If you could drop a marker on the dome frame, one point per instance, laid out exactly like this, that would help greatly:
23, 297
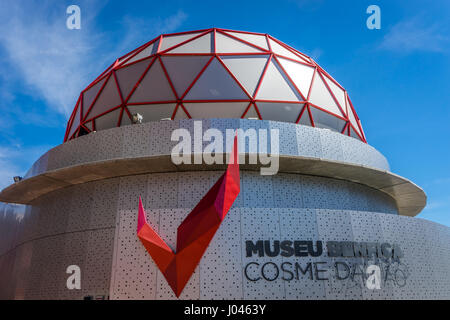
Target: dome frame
148, 79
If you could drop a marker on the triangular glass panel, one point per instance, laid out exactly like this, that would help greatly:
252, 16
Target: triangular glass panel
147, 52
216, 109
170, 41
183, 70
90, 94
203, 44
180, 114
259, 40
275, 85
75, 122
299, 73
353, 133
305, 119
246, 69
251, 113
285, 112
321, 97
215, 83
88, 125
352, 118
125, 57
108, 120
108, 99
325, 120
125, 118
338, 93
280, 50
128, 76
226, 44
153, 87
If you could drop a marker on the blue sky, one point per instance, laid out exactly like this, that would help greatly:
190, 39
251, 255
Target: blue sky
397, 77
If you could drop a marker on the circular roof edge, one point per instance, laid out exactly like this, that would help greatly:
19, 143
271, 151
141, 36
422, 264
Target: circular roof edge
410, 198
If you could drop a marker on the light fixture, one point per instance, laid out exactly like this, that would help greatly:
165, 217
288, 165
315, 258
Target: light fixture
17, 178
137, 118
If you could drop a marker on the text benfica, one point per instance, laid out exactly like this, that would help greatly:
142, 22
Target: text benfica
303, 248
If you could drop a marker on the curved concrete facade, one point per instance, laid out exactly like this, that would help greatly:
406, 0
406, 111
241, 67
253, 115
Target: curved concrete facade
153, 139
147, 148
92, 224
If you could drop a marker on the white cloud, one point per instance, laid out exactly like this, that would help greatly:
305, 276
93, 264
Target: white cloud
316, 53
49, 58
415, 35
44, 61
58, 63
141, 30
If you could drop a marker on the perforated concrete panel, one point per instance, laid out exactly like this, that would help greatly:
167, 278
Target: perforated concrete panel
300, 224
68, 227
93, 225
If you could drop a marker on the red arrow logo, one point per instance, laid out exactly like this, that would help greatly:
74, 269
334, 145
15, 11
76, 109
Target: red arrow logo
195, 232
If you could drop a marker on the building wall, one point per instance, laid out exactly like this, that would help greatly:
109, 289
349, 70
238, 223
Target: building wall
59, 230
94, 226
153, 138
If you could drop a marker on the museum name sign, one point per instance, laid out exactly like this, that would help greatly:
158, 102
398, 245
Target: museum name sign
345, 260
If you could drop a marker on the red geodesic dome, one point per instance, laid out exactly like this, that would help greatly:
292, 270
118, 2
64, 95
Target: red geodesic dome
214, 73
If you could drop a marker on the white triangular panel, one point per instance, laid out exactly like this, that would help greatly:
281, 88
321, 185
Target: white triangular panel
352, 118
215, 83
180, 114
353, 134
246, 69
108, 99
202, 44
154, 86
226, 44
286, 112
279, 49
128, 76
216, 109
339, 94
299, 73
148, 51
251, 113
183, 70
75, 122
153, 112
305, 57
276, 86
90, 94
325, 120
170, 41
255, 39
361, 129
108, 120
305, 119
320, 96
88, 125
125, 57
